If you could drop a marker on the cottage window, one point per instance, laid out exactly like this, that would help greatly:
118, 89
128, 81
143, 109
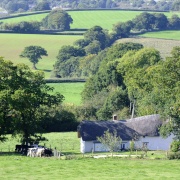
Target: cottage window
145, 144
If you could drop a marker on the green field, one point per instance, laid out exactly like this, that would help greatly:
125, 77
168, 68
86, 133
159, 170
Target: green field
88, 19
26, 168
64, 141
71, 91
11, 45
163, 34
79, 167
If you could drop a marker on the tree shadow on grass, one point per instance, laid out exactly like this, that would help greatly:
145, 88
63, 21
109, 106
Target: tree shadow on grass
45, 70
10, 154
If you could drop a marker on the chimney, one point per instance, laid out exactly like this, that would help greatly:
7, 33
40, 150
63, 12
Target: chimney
115, 117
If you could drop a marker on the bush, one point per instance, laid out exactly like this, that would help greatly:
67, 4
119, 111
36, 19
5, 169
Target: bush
175, 146
175, 155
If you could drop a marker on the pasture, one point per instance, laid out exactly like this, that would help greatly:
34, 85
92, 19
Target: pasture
88, 19
11, 45
64, 142
15, 166
163, 35
71, 91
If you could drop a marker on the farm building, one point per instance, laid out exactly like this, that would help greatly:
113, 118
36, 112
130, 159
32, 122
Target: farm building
143, 130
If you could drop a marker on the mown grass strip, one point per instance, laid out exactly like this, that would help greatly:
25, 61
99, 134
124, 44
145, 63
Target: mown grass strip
175, 35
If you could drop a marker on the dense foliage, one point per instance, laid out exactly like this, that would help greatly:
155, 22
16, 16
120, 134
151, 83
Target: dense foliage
23, 27
24, 5
58, 20
24, 96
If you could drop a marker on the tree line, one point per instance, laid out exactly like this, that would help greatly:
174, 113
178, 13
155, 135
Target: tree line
33, 5
55, 20
83, 58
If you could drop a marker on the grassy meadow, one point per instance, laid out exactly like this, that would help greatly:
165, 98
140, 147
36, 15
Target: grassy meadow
175, 35
71, 91
64, 142
26, 168
11, 45
78, 166
88, 19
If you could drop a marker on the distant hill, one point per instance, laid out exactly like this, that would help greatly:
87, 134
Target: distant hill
31, 5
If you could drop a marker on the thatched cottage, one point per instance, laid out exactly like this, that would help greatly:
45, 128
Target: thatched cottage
143, 130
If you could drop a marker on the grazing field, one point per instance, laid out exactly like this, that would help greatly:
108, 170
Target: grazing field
163, 45
11, 45
17, 167
63, 141
74, 166
163, 34
88, 19
71, 91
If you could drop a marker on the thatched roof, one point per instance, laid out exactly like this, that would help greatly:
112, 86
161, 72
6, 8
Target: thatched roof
90, 130
127, 130
145, 125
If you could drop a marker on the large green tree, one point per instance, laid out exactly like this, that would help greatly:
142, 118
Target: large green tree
97, 33
154, 85
33, 53
67, 63
24, 96
57, 20
6, 79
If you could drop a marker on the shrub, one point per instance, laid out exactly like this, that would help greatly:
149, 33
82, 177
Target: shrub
175, 146
175, 155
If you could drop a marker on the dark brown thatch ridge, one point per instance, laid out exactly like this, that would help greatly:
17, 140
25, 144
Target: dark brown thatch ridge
127, 130
146, 125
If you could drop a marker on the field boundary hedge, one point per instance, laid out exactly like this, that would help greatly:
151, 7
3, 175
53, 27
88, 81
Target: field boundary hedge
24, 14
79, 33
88, 9
65, 80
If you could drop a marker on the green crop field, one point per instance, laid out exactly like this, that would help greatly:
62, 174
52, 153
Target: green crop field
163, 34
11, 45
71, 91
78, 167
88, 19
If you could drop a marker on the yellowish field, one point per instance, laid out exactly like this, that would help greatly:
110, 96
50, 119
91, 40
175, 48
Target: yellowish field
163, 45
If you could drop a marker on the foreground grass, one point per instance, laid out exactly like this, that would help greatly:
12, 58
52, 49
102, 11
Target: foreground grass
14, 166
11, 45
71, 91
18, 167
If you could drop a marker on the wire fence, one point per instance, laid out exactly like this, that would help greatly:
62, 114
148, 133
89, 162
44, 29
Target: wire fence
60, 147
